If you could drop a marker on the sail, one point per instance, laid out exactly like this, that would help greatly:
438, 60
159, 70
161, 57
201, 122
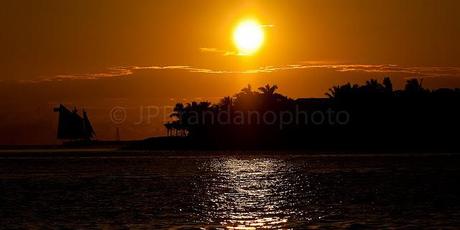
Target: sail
87, 127
72, 126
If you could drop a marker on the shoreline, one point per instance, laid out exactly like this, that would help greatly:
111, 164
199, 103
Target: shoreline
174, 146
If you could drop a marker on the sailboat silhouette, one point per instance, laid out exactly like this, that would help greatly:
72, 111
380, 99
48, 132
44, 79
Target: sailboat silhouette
72, 126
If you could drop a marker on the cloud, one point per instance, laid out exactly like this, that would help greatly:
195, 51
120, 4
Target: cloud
109, 73
221, 52
125, 71
419, 71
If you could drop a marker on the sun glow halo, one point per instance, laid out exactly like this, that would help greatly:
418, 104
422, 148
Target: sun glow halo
248, 37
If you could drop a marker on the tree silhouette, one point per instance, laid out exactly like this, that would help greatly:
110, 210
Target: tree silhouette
268, 90
388, 85
178, 110
226, 103
376, 110
247, 90
414, 86
343, 91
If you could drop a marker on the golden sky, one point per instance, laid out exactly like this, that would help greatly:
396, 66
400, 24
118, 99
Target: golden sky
88, 52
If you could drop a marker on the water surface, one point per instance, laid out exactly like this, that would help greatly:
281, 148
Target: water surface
228, 190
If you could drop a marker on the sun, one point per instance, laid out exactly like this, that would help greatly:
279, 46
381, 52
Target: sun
248, 37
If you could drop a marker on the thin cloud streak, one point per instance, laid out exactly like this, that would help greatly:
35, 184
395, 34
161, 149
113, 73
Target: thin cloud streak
110, 73
221, 52
383, 69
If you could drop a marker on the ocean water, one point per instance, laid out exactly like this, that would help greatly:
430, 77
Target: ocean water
204, 190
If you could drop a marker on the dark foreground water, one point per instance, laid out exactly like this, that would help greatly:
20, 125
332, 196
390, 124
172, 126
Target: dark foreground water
251, 191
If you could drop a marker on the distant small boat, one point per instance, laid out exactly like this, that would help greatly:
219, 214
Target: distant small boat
73, 127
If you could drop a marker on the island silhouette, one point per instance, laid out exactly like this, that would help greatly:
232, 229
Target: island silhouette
372, 116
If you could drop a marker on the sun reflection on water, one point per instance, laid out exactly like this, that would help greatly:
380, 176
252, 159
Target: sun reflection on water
248, 193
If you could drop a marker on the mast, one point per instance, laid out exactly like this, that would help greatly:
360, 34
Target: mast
117, 134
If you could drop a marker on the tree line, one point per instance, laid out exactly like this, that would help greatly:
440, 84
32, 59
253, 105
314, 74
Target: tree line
372, 114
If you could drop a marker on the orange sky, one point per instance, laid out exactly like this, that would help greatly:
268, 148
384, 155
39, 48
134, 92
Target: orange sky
100, 54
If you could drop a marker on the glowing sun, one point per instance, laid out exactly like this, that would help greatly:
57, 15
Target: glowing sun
248, 37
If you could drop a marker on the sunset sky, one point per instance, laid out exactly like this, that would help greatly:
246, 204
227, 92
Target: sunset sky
106, 53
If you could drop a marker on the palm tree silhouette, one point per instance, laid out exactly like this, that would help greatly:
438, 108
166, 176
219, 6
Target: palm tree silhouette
373, 86
247, 90
342, 91
414, 86
226, 103
178, 110
388, 85
268, 90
